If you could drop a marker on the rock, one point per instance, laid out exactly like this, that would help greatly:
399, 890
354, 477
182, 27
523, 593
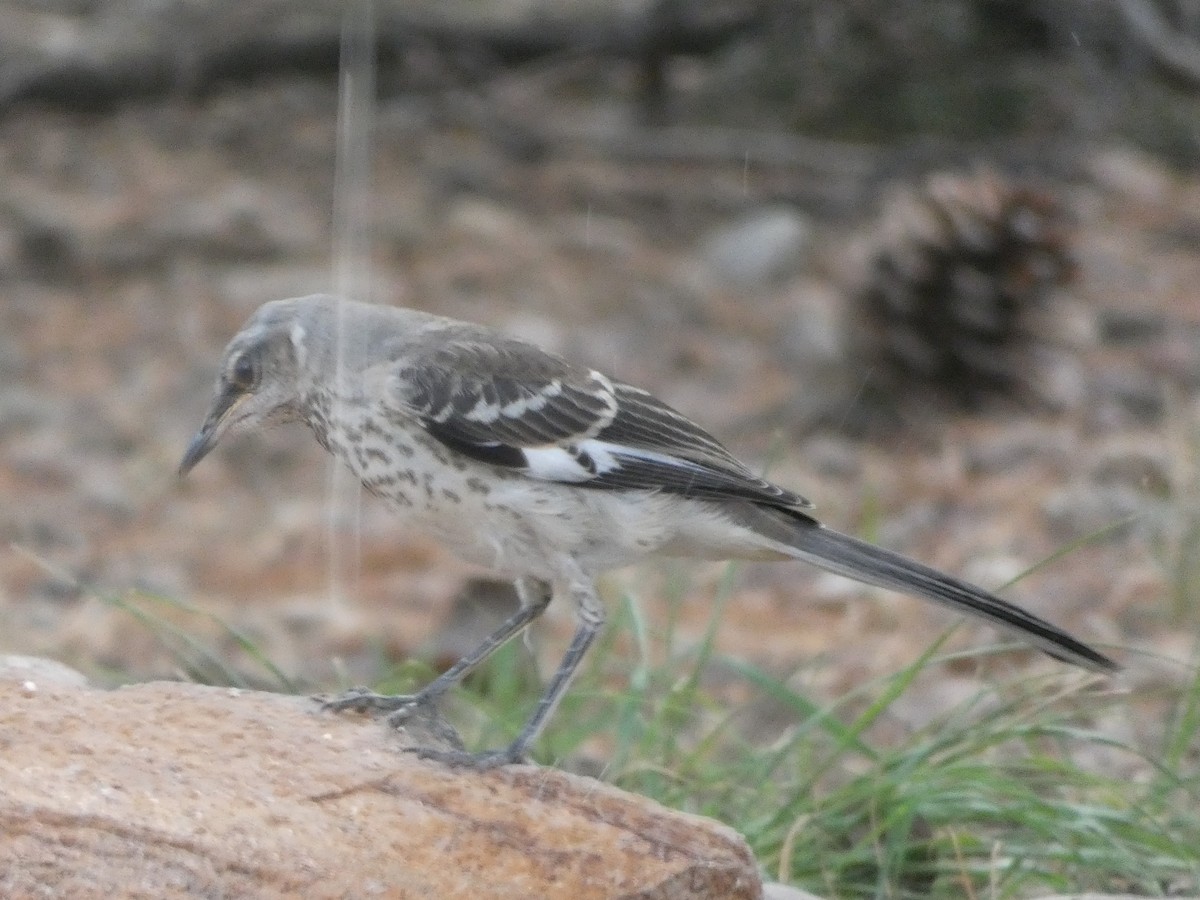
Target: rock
168, 790
33, 671
760, 248
815, 332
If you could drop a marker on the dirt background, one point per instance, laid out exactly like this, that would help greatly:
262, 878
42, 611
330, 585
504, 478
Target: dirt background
138, 232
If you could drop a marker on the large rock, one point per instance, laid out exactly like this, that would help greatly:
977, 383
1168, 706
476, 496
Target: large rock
167, 790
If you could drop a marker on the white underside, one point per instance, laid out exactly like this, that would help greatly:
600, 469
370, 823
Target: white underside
559, 532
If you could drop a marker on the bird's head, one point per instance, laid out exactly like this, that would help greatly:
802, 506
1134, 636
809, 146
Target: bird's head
263, 373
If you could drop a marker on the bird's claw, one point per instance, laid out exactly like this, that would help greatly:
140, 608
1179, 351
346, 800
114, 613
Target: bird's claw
359, 699
479, 762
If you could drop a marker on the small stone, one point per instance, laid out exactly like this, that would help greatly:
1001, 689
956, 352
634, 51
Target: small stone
814, 332
34, 672
763, 247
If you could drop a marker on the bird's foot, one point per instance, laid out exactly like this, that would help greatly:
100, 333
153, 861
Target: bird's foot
416, 714
485, 761
398, 707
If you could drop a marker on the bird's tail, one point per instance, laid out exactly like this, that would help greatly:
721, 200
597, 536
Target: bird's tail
805, 539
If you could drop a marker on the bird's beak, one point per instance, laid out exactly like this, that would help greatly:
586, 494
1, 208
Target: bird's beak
212, 429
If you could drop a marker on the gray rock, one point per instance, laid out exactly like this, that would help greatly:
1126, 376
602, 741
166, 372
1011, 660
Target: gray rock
34, 672
765, 246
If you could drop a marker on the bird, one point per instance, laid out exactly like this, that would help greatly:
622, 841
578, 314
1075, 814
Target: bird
539, 469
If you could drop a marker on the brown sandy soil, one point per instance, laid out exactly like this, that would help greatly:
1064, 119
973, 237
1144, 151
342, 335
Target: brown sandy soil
133, 244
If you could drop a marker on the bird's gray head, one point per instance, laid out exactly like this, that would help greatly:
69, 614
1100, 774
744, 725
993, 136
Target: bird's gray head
263, 372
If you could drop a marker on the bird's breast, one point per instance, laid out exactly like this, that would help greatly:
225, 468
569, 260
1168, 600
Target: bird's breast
506, 521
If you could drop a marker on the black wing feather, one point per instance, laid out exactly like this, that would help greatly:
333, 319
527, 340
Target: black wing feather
491, 399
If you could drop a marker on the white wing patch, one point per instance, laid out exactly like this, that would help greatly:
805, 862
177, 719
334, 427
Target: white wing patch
555, 464
609, 395
484, 411
599, 457
575, 463
590, 459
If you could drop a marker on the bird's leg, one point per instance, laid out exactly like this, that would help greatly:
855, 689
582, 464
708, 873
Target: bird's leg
591, 620
534, 595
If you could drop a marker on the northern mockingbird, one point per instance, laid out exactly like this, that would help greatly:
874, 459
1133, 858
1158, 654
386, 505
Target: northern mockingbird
526, 464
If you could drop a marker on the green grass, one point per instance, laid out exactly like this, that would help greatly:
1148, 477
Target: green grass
998, 796
993, 798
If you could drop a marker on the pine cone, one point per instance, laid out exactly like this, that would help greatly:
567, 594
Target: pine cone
961, 292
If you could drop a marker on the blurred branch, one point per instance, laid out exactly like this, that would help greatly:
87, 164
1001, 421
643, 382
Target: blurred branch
126, 55
1176, 53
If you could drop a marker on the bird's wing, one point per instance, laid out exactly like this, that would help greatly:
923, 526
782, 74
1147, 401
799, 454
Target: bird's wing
511, 404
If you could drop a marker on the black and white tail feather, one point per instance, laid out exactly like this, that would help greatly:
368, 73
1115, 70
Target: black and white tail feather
510, 404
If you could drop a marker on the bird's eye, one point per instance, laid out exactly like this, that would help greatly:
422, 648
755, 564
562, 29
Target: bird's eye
244, 374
